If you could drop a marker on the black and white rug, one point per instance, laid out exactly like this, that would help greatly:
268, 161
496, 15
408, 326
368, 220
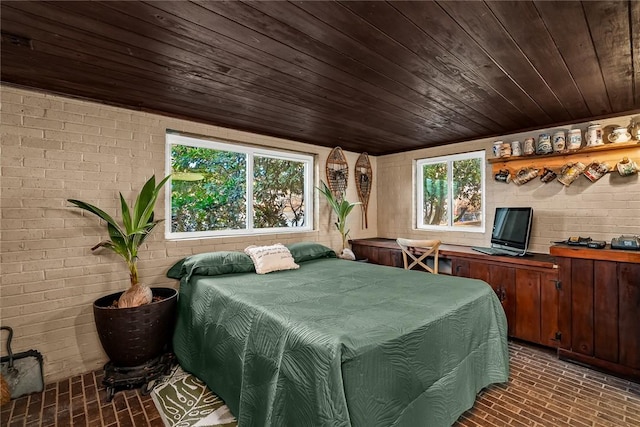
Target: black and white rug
185, 401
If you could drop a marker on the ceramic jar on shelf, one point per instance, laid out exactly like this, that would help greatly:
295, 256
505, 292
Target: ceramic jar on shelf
558, 142
593, 135
574, 139
544, 144
529, 146
619, 134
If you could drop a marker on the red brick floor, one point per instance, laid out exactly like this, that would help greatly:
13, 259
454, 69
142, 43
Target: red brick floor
81, 401
542, 391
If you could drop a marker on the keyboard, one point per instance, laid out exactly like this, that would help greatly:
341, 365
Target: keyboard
494, 251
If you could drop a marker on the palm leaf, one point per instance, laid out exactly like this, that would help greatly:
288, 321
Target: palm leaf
126, 215
96, 211
138, 223
142, 202
342, 209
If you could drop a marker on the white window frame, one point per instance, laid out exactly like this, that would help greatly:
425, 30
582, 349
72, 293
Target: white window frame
419, 191
251, 152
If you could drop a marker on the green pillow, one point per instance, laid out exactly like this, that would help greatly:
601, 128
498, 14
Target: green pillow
306, 251
174, 271
212, 264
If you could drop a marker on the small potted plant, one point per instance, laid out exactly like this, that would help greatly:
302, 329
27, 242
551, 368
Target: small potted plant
132, 326
342, 208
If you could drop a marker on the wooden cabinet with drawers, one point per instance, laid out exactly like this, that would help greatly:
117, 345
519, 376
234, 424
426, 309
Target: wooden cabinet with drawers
529, 294
600, 308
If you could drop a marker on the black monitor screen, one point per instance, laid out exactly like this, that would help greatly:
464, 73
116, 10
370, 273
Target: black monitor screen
512, 227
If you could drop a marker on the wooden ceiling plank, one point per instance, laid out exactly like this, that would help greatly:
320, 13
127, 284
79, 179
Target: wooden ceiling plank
353, 56
246, 124
355, 51
422, 123
456, 43
65, 47
401, 129
334, 65
87, 22
569, 29
480, 23
355, 75
250, 53
610, 30
540, 49
423, 58
91, 76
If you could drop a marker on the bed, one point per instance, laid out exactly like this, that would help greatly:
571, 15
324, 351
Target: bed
336, 342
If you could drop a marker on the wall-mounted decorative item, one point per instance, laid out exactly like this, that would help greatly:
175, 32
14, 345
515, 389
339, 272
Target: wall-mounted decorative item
626, 167
570, 172
503, 176
548, 175
337, 172
595, 171
565, 163
364, 180
525, 175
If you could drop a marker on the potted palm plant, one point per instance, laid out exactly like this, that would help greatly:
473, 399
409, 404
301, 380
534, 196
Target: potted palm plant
134, 326
342, 209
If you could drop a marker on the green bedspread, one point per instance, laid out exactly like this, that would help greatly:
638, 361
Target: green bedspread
342, 343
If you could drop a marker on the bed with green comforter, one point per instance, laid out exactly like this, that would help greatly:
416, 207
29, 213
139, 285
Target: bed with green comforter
336, 342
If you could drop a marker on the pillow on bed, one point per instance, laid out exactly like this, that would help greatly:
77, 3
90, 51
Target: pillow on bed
306, 251
212, 264
271, 258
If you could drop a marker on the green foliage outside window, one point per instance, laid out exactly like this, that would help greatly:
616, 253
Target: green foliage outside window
209, 190
467, 191
278, 189
216, 197
463, 188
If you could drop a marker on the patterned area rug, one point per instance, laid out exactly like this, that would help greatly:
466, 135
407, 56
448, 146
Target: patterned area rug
185, 401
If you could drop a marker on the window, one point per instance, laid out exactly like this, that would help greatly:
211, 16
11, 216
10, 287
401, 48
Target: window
222, 189
450, 192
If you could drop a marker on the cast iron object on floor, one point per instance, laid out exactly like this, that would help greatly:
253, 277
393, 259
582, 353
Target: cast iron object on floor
133, 336
130, 377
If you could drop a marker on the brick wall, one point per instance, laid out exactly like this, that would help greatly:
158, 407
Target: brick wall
602, 210
54, 148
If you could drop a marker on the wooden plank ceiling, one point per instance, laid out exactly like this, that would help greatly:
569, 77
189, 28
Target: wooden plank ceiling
380, 77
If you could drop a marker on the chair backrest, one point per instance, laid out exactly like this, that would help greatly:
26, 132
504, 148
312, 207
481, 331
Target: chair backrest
418, 251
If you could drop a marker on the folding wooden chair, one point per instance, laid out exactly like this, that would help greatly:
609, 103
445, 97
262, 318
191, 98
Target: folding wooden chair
426, 249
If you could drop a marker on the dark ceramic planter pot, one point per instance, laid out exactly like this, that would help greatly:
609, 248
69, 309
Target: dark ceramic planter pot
134, 336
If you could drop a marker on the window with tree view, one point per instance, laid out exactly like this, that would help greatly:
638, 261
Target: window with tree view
225, 189
450, 192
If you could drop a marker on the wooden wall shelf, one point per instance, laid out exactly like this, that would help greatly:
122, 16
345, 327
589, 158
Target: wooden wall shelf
608, 153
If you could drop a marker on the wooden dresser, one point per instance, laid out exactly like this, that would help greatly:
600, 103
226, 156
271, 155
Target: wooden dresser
600, 308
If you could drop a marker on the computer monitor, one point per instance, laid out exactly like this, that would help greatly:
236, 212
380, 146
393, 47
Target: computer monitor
512, 228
